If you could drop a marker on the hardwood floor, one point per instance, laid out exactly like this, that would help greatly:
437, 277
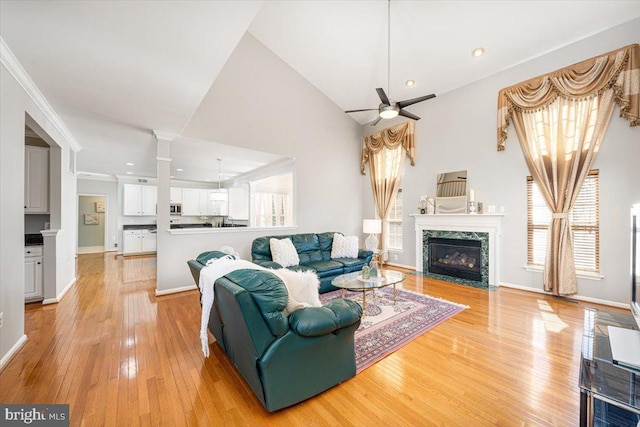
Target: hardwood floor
119, 355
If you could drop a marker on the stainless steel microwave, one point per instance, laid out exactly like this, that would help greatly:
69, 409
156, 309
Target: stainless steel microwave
175, 209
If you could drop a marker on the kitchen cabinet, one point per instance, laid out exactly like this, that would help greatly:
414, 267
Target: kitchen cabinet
36, 180
139, 200
33, 273
191, 202
176, 195
139, 242
204, 202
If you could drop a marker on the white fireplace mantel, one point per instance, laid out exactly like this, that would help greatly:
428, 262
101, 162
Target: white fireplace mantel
480, 223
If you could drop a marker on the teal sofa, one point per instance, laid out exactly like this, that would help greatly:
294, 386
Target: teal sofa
284, 359
314, 251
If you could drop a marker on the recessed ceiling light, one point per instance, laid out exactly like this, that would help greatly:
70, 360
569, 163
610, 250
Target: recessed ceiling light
129, 173
171, 176
179, 170
410, 82
479, 51
130, 164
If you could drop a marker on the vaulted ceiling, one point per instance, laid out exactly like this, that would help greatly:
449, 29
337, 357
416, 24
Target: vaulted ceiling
114, 71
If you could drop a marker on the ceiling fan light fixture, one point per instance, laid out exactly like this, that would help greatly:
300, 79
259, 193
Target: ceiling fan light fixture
388, 111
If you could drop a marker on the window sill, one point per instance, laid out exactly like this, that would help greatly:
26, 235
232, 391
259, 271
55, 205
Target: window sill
580, 274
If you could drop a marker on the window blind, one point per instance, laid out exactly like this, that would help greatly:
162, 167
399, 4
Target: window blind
584, 218
394, 224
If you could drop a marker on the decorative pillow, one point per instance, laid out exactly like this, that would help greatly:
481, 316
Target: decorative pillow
303, 288
283, 252
344, 247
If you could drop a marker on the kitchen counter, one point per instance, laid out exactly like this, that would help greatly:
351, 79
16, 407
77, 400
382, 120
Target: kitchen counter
182, 226
34, 239
139, 227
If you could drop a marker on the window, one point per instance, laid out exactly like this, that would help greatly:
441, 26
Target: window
271, 201
394, 224
584, 219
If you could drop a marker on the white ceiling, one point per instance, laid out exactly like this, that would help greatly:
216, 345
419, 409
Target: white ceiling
114, 71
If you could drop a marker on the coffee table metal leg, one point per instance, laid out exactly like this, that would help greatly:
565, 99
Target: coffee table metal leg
394, 293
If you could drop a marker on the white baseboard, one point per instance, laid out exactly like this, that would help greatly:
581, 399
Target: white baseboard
573, 297
90, 249
59, 297
12, 352
393, 264
175, 290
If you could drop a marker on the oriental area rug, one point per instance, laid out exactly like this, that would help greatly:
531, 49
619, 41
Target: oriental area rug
386, 327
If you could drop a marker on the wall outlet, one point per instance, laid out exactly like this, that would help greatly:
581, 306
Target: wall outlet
115, 245
395, 257
1, 319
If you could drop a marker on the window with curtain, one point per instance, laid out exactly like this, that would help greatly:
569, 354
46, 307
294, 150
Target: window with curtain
394, 224
271, 201
584, 219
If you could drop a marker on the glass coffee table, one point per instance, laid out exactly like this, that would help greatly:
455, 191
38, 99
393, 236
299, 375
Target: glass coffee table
355, 282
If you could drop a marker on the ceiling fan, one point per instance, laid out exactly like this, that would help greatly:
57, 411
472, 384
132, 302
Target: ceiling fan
388, 109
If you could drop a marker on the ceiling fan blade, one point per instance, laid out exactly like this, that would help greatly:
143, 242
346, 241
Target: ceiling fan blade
408, 114
357, 111
375, 122
408, 102
383, 96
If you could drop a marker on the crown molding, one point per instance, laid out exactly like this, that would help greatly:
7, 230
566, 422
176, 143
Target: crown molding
165, 136
11, 63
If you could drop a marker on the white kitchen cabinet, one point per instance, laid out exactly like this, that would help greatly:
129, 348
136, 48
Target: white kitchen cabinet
195, 202
139, 200
132, 242
36, 180
33, 273
139, 242
149, 241
191, 202
176, 195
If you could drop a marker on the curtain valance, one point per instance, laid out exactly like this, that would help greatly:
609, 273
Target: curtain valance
618, 70
390, 137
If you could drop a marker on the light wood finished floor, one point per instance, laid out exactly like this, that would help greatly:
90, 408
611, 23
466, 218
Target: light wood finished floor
121, 356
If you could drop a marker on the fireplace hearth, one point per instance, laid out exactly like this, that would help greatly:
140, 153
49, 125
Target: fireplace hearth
459, 258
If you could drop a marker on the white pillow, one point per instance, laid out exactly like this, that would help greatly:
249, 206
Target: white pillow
344, 247
303, 288
283, 252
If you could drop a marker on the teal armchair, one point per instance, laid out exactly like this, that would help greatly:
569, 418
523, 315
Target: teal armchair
284, 359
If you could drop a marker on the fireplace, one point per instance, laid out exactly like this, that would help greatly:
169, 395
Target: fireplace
484, 229
460, 258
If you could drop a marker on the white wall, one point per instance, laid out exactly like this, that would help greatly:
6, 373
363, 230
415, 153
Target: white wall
15, 103
259, 102
458, 131
109, 189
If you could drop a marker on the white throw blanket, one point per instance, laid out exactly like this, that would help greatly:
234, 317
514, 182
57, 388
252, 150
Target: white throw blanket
215, 269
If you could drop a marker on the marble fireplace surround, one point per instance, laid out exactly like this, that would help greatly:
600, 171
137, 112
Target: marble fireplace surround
490, 224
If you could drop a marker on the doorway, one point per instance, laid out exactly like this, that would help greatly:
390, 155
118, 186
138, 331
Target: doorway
92, 218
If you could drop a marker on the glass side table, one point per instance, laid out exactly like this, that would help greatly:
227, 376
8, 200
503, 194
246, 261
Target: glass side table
609, 394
